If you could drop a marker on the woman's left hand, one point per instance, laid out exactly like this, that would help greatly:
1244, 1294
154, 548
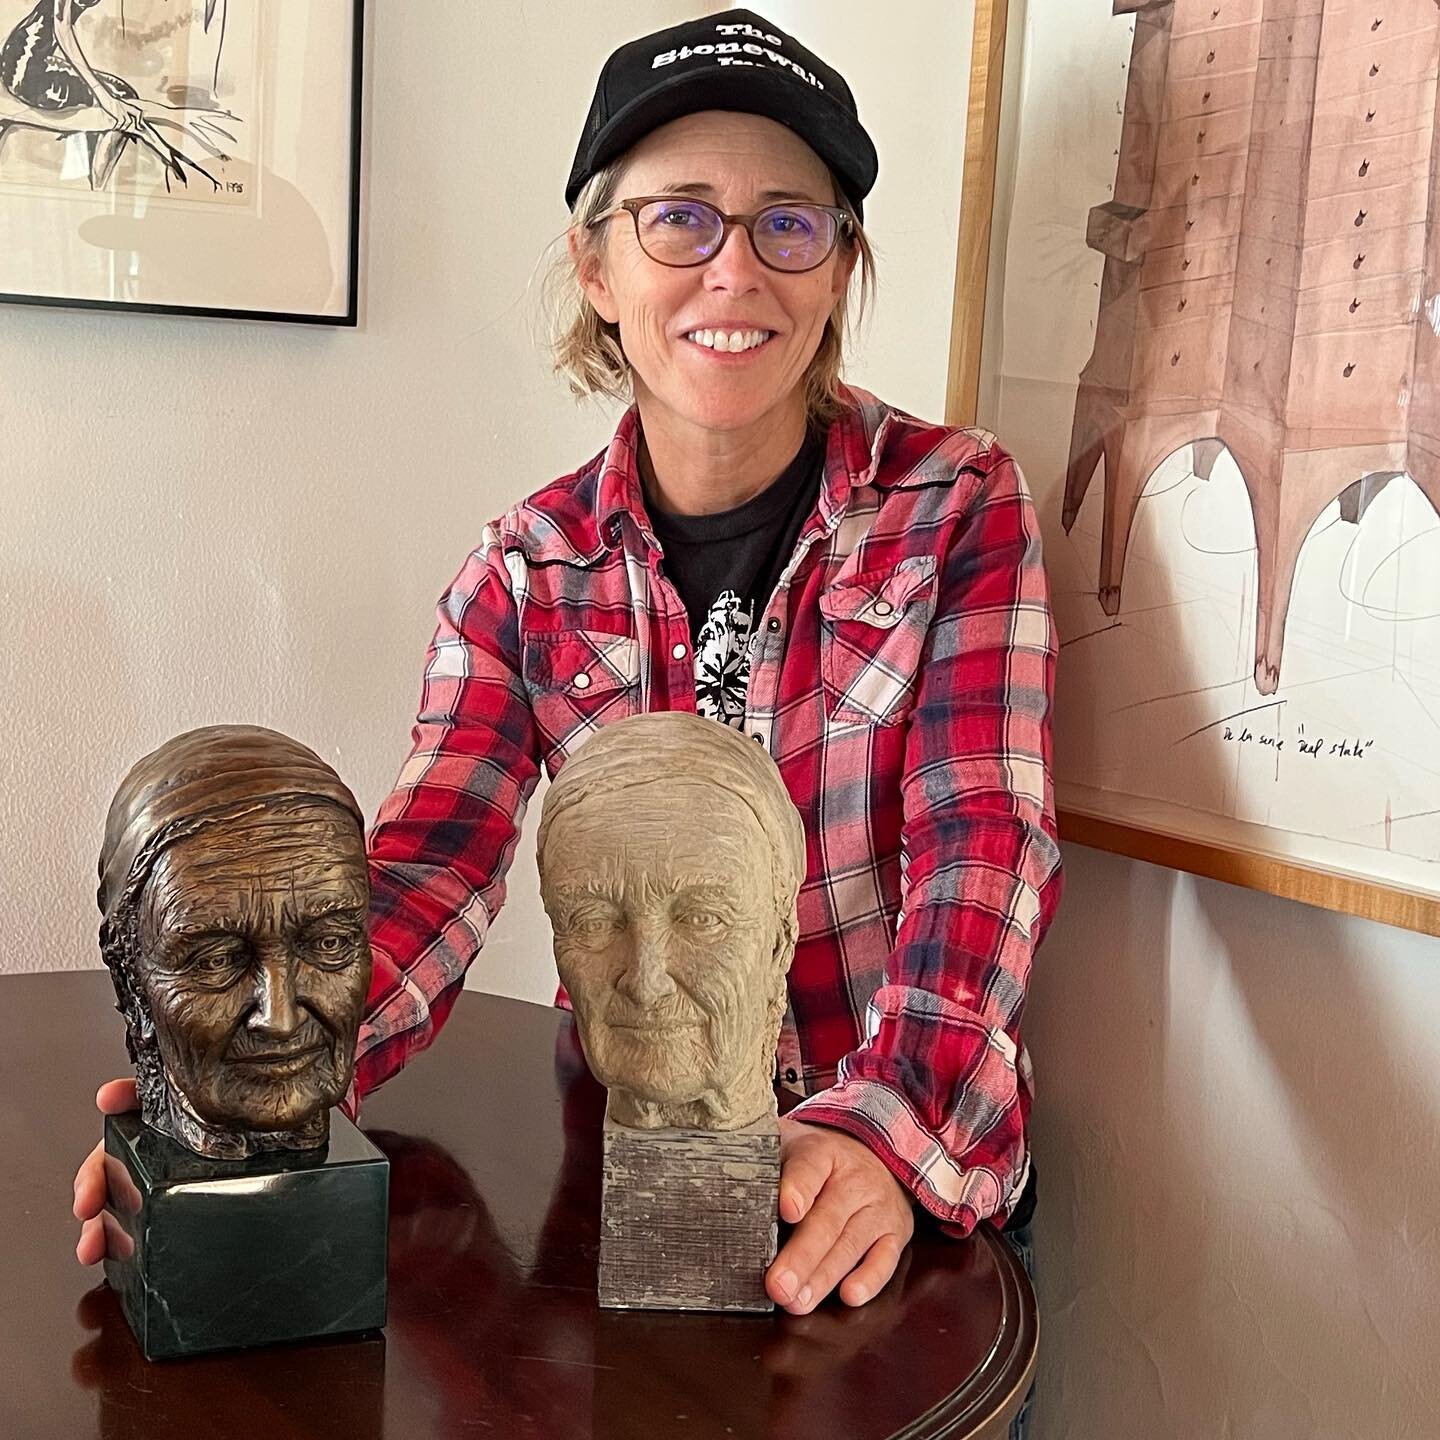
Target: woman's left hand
852, 1219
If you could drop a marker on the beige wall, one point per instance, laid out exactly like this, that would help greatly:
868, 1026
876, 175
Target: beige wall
1238, 1097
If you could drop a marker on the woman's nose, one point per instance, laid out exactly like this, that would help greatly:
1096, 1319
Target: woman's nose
734, 266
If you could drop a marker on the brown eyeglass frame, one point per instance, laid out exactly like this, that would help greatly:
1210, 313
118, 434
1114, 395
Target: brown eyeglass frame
845, 224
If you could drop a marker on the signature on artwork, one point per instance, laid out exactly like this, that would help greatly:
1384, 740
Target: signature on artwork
1345, 748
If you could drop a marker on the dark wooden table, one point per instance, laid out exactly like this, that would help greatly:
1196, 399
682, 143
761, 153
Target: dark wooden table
493, 1138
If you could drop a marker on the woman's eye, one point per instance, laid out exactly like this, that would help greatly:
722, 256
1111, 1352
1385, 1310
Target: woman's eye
787, 222
679, 217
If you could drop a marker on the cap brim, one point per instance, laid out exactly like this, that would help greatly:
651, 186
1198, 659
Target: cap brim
835, 135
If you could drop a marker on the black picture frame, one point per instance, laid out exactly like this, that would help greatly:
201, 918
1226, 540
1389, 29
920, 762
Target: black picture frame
347, 318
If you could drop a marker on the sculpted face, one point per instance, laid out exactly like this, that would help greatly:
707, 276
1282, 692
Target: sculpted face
254, 963
666, 938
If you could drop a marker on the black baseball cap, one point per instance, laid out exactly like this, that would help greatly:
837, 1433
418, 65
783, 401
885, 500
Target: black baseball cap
734, 61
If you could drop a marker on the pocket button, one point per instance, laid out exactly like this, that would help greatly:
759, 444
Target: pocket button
581, 681
883, 607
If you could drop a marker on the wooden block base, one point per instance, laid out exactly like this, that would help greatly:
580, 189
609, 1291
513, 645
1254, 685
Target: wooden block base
688, 1217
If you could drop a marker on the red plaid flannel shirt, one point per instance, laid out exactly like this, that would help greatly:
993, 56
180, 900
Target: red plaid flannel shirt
901, 678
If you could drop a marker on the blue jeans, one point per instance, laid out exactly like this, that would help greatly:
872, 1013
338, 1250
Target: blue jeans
1020, 1242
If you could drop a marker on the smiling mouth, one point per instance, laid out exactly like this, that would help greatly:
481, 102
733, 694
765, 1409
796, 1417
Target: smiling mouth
730, 342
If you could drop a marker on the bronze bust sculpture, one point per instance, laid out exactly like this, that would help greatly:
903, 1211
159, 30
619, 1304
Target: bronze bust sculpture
234, 895
670, 859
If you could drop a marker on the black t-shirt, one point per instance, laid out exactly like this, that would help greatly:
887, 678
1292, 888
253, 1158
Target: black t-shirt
725, 567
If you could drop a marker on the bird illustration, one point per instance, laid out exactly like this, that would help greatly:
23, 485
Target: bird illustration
44, 66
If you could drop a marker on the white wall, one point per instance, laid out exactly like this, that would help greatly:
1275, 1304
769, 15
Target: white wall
1238, 1103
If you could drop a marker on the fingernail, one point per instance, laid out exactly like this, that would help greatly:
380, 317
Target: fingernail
803, 1297
786, 1281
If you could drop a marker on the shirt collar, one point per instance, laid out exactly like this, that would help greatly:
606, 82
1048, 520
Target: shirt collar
619, 493
852, 455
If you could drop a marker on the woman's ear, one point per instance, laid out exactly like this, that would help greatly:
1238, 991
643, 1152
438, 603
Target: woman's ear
590, 272
848, 255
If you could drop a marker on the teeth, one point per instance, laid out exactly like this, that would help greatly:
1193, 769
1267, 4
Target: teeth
730, 341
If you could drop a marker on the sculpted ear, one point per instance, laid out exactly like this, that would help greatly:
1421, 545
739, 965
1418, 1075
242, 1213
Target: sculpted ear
785, 938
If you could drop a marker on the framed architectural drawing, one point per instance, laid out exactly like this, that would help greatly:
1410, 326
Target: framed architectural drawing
196, 157
1209, 328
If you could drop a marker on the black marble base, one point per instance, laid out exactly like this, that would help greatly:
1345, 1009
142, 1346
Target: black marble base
283, 1246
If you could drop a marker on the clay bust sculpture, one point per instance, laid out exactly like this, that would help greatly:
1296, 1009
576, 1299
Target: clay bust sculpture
670, 859
234, 893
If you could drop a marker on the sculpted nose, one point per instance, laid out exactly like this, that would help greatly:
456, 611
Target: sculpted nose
276, 1013
646, 980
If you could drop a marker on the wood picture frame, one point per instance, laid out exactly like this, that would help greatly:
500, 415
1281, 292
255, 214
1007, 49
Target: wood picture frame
1230, 859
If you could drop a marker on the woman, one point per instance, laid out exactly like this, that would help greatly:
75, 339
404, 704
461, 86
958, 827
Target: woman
860, 591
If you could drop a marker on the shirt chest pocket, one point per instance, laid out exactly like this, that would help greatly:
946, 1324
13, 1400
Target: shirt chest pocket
872, 633
579, 681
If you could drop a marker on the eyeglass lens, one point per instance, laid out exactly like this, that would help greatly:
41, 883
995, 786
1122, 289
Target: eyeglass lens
686, 232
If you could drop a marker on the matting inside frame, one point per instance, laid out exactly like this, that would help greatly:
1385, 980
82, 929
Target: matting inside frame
1230, 346
236, 194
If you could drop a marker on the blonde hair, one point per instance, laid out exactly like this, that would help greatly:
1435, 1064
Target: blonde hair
587, 349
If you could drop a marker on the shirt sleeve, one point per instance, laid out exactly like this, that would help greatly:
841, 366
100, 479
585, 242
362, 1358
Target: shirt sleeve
935, 1088
444, 838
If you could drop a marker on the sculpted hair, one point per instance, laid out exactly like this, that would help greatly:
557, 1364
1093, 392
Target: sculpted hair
587, 349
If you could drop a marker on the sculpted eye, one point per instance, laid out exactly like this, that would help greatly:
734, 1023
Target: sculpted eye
701, 920
212, 958
593, 926
333, 944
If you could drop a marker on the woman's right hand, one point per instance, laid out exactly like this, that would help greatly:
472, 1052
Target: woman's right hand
99, 1182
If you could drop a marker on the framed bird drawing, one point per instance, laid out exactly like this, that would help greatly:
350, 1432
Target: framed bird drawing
193, 157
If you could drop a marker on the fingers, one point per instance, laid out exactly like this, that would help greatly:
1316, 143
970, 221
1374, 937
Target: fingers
114, 1097
873, 1273
101, 1180
860, 1233
90, 1185
90, 1248
100, 1236
803, 1177
843, 1202
790, 1277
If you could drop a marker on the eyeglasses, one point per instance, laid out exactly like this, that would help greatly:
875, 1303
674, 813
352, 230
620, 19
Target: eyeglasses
679, 231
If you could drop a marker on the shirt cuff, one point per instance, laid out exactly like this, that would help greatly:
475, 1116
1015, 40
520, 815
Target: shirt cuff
957, 1195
